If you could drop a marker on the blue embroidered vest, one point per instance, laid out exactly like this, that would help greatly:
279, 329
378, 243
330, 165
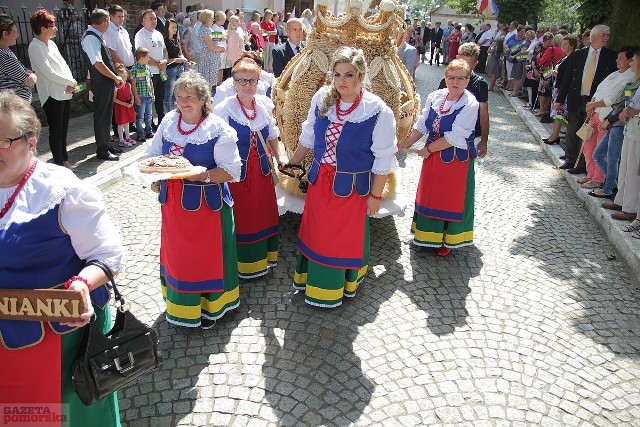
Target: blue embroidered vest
38, 255
243, 147
446, 124
354, 158
192, 191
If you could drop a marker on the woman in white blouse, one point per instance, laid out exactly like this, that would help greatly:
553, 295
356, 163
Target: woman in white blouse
198, 263
55, 82
255, 208
352, 133
51, 224
443, 216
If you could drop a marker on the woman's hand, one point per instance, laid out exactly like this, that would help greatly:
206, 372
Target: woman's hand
373, 206
603, 124
591, 106
282, 161
81, 288
405, 145
424, 152
31, 79
69, 89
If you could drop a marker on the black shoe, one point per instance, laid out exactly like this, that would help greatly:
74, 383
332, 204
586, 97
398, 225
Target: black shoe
551, 141
107, 156
207, 323
546, 119
141, 139
563, 157
566, 165
149, 135
577, 171
116, 150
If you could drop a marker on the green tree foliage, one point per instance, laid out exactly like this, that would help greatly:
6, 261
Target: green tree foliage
421, 8
560, 12
592, 12
623, 19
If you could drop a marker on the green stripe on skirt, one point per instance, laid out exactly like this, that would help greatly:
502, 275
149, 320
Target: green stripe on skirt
255, 258
105, 412
186, 309
326, 286
435, 233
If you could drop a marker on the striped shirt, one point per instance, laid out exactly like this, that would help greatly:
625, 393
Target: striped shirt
13, 74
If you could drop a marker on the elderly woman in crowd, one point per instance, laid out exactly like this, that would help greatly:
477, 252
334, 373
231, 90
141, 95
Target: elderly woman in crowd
443, 216
228, 87
55, 85
198, 263
352, 134
608, 92
608, 150
48, 210
13, 75
255, 207
569, 44
628, 197
211, 50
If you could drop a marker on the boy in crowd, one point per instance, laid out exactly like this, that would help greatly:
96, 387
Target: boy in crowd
143, 93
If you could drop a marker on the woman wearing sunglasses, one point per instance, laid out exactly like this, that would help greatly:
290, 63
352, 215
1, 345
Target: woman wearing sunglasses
255, 207
443, 215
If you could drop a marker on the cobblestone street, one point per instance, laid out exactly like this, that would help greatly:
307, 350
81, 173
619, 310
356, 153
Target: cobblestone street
538, 324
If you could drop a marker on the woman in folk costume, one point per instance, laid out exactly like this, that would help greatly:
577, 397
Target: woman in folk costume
255, 207
443, 215
51, 224
352, 134
198, 264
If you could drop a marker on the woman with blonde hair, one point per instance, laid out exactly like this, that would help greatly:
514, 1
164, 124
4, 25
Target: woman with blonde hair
212, 49
352, 134
443, 216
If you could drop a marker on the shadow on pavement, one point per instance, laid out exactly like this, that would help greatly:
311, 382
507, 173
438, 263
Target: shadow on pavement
592, 309
441, 285
312, 373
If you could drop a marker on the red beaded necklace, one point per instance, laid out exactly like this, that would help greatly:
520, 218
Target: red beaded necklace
441, 110
7, 205
340, 112
253, 107
189, 132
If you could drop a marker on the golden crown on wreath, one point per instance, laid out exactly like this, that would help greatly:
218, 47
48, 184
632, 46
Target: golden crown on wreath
374, 32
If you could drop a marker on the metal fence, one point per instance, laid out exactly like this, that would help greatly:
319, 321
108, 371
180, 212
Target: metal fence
71, 25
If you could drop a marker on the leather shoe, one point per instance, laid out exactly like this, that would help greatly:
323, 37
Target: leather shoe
612, 206
116, 150
566, 165
576, 171
624, 216
107, 156
563, 157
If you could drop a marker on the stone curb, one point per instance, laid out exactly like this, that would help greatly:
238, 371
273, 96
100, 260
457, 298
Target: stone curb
627, 246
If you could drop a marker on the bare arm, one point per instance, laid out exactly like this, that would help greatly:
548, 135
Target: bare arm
484, 127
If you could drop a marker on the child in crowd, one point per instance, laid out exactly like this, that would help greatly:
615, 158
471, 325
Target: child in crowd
143, 93
123, 108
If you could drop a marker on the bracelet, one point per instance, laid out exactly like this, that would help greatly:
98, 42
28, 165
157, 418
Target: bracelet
79, 279
428, 149
375, 197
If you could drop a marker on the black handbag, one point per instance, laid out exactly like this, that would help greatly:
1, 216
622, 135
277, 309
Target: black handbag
107, 362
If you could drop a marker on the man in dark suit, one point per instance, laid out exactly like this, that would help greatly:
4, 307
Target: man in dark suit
158, 8
436, 40
586, 69
424, 32
283, 53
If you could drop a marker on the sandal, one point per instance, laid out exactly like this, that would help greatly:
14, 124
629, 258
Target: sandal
583, 180
636, 234
591, 185
629, 228
541, 113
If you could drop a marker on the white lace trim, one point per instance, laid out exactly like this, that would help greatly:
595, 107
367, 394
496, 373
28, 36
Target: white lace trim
383, 171
46, 189
370, 105
208, 130
264, 106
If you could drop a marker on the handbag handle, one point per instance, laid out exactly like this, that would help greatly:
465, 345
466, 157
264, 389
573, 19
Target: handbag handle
107, 271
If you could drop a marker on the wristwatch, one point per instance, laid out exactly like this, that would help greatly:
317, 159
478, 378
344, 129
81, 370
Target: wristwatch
208, 178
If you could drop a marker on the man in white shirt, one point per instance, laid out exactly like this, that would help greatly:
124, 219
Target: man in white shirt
484, 41
535, 42
151, 39
513, 30
117, 38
